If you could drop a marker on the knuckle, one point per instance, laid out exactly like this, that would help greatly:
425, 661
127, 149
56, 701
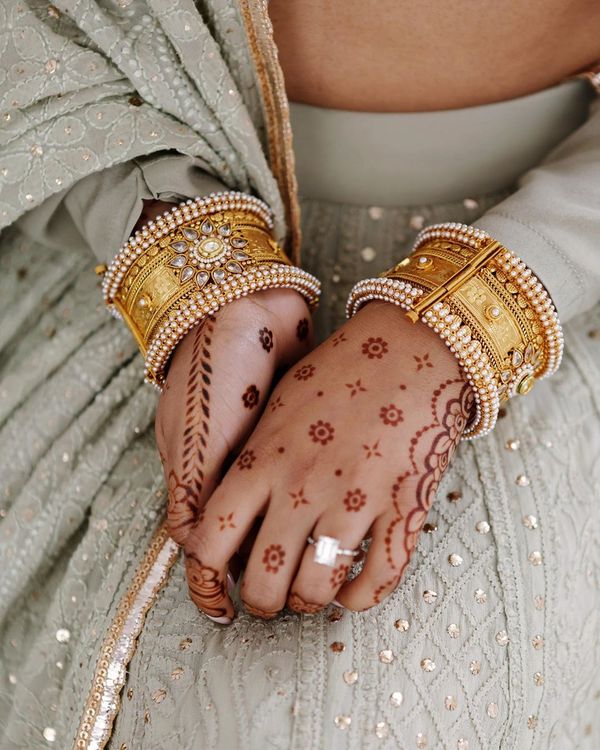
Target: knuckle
259, 595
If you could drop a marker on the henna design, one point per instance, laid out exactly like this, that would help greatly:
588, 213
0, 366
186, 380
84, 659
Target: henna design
338, 472
355, 500
273, 558
276, 403
299, 498
449, 427
281, 449
305, 372
197, 412
319, 393
302, 329
422, 361
246, 459
206, 588
339, 338
402, 387
181, 509
265, 336
355, 388
251, 397
297, 603
338, 575
265, 614
391, 415
321, 432
372, 450
226, 522
375, 348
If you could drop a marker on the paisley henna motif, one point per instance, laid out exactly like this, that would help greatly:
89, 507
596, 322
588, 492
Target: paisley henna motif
297, 603
207, 590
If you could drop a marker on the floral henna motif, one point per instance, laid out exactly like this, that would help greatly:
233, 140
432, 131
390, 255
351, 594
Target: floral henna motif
355, 500
246, 459
302, 329
355, 388
375, 348
339, 575
207, 590
391, 415
251, 396
265, 336
305, 372
299, 498
226, 522
181, 509
297, 603
372, 450
321, 432
273, 558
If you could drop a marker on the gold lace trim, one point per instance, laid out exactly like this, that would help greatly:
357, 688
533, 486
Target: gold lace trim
259, 31
120, 642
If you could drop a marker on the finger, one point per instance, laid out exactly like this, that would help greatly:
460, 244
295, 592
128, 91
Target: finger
316, 584
200, 425
394, 538
223, 523
275, 556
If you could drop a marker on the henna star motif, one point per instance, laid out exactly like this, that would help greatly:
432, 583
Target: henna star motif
226, 522
338, 339
372, 450
355, 388
299, 498
422, 361
276, 403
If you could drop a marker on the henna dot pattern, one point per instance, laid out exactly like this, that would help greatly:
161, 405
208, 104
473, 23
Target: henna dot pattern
338, 575
355, 500
375, 348
321, 432
250, 397
273, 558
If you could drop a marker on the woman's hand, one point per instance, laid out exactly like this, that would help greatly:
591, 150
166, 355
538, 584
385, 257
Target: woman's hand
353, 442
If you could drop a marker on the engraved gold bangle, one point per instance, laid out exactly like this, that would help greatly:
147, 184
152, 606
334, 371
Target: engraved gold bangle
190, 262
488, 307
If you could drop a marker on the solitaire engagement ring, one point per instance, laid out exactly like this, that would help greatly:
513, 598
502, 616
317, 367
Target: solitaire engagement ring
327, 548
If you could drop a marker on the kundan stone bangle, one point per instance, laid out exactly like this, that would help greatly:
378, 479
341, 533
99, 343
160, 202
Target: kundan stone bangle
489, 308
188, 263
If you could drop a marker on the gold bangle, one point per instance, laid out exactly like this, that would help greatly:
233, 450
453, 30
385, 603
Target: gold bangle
189, 263
490, 309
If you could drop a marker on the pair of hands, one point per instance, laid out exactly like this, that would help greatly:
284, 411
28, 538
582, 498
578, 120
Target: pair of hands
351, 443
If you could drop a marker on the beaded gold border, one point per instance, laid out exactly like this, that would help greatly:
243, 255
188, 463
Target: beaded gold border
104, 701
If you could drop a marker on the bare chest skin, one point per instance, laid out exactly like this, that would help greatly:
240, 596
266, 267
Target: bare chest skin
419, 55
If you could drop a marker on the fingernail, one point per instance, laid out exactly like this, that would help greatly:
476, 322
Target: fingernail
230, 583
337, 604
221, 620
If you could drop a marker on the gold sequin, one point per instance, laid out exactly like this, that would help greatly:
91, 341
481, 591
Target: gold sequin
455, 560
375, 212
462, 744
535, 557
185, 644
342, 721
537, 642
402, 625
492, 710
12, 678
386, 656
427, 665
337, 647
522, 480
450, 702
350, 677
538, 601
532, 721
475, 667
421, 740
512, 445
335, 615
453, 630
176, 673
502, 638
429, 596
530, 522
480, 596
49, 734
417, 221
159, 695
396, 698
63, 635
538, 679
381, 730
482, 527
454, 496
470, 204
429, 528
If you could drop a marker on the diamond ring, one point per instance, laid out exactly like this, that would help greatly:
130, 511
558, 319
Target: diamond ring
327, 548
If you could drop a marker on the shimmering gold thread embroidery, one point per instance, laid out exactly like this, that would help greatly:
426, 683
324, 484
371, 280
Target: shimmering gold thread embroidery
259, 31
103, 701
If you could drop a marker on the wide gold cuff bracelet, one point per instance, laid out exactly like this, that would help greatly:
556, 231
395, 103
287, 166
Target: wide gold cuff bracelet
489, 308
190, 262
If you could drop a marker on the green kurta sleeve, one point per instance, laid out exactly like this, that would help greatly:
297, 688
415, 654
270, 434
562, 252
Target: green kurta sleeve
101, 209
